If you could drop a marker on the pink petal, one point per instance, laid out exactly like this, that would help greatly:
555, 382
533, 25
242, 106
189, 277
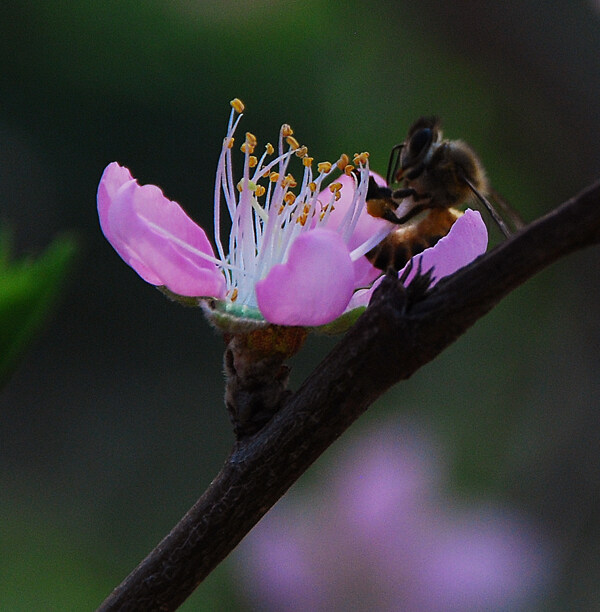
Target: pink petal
113, 178
155, 236
466, 241
315, 284
366, 227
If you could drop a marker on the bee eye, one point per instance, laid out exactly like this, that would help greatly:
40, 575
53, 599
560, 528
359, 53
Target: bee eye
420, 140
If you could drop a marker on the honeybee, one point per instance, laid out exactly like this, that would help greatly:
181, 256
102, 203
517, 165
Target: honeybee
438, 176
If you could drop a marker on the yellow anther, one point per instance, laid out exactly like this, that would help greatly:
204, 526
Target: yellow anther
302, 219
292, 142
286, 130
301, 151
335, 187
306, 209
260, 191
361, 158
237, 105
229, 142
324, 167
338, 195
270, 149
252, 161
289, 198
289, 181
274, 177
240, 185
348, 169
312, 186
247, 148
251, 139
342, 162
234, 295
281, 209
307, 161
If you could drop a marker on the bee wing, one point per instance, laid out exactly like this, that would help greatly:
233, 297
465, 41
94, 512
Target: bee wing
508, 212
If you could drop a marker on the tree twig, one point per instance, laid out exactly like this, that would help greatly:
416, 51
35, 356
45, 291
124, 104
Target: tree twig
401, 331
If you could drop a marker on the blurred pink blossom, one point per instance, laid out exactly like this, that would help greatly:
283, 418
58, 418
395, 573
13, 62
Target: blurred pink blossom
381, 534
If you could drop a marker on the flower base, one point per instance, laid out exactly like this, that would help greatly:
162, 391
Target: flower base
256, 383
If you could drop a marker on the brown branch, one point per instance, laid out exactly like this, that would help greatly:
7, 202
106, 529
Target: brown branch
400, 331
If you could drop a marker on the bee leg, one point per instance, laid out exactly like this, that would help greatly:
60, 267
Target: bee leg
375, 192
405, 193
390, 215
415, 210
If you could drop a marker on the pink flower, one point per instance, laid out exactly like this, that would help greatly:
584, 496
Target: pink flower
383, 533
291, 257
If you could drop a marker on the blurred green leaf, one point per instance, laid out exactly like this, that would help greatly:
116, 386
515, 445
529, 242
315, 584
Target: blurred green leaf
28, 290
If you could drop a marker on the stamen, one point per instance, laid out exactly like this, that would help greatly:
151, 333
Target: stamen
292, 142
187, 247
237, 105
289, 181
369, 244
262, 233
342, 162
260, 211
251, 139
360, 159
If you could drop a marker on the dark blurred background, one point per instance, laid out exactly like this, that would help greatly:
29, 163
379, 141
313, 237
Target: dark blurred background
114, 424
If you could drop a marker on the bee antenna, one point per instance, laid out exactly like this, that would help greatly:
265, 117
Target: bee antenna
394, 163
488, 205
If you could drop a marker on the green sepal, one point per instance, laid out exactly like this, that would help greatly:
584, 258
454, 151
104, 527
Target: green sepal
342, 324
232, 318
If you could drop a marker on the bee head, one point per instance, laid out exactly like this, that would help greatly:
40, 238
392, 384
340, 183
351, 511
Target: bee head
417, 148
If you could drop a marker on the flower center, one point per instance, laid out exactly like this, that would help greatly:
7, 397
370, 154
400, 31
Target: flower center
268, 208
